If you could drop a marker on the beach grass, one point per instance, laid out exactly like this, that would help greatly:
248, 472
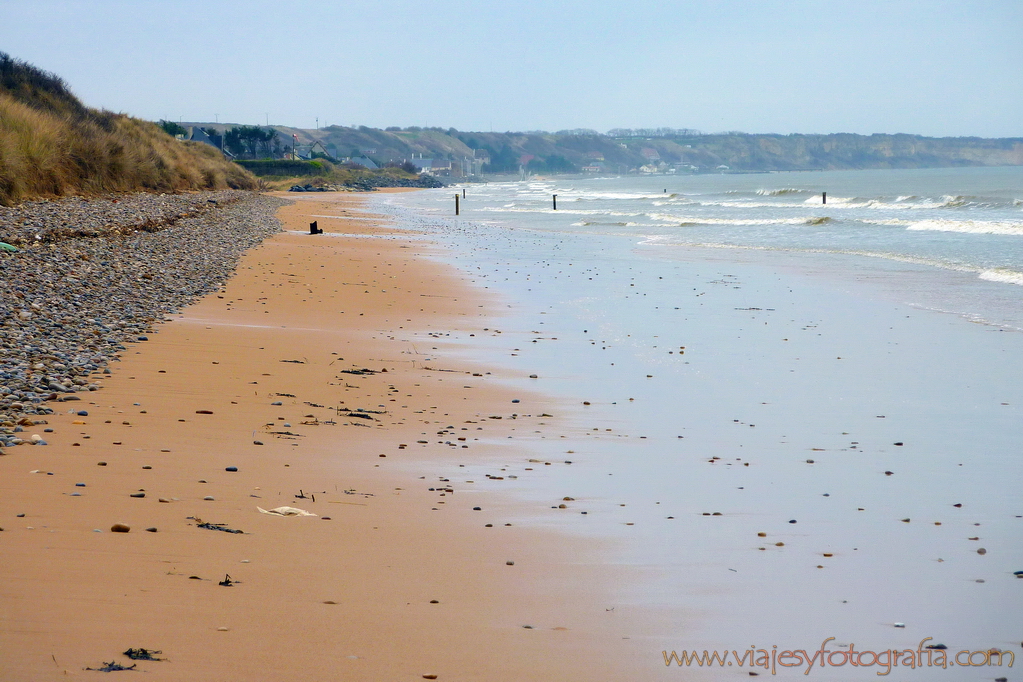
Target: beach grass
52, 145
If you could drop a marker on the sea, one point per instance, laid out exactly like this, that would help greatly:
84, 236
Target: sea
791, 401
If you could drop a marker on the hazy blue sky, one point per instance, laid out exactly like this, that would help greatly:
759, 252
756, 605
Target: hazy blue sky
864, 66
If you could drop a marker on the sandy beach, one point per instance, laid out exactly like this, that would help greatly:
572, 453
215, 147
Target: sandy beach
304, 383
526, 456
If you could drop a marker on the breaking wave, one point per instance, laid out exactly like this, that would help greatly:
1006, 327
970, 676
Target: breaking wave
1003, 275
782, 192
970, 226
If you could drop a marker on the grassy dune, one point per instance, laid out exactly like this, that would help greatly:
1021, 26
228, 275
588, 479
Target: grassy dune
52, 145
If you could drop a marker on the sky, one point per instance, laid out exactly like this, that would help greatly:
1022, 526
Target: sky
929, 67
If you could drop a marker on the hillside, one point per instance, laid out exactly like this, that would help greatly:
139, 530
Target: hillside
52, 145
622, 151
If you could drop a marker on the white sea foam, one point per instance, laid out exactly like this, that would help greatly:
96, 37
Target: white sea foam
1003, 275
970, 226
699, 220
783, 191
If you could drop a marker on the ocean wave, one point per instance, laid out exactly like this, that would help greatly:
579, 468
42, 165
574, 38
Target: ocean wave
783, 191
1003, 275
694, 220
560, 211
970, 226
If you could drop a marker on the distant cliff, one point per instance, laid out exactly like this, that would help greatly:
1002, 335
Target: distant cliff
622, 151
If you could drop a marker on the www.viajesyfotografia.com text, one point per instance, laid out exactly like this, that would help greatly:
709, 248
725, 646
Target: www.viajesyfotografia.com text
930, 656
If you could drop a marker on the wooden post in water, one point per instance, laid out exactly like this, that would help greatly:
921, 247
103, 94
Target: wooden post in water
555, 202
463, 192
824, 197
456, 204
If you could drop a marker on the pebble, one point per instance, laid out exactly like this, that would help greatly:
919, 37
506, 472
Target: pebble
138, 494
120, 528
99, 276
151, 529
208, 498
231, 469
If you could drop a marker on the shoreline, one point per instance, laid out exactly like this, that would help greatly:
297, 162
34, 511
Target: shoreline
805, 394
347, 596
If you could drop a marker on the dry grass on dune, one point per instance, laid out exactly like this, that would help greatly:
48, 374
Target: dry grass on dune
51, 145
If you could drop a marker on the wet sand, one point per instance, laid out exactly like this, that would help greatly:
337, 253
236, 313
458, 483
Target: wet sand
349, 593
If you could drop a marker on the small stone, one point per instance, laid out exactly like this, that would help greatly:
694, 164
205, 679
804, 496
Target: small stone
231, 469
429, 677
151, 529
257, 442
981, 551
120, 528
792, 521
79, 485
101, 464
278, 402
146, 466
509, 563
208, 498
222, 629
138, 495
164, 500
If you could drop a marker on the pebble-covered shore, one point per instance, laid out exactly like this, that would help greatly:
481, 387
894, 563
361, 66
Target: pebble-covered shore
93, 275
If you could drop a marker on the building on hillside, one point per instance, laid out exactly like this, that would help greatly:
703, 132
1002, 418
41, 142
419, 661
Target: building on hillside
650, 154
595, 156
593, 168
363, 161
196, 134
421, 164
